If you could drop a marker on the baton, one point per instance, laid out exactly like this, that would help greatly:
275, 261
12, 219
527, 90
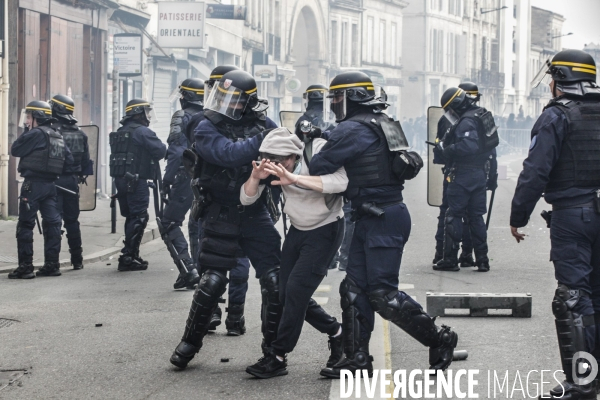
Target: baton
37, 221
489, 213
67, 190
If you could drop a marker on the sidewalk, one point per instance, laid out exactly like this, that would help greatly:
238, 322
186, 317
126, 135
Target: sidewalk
98, 242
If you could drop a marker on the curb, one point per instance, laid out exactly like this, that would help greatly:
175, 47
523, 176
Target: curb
150, 233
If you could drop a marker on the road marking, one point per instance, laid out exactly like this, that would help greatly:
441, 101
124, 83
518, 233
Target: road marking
324, 288
406, 286
321, 300
381, 350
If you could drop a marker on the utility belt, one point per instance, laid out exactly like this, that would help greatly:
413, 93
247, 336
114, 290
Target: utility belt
371, 208
595, 204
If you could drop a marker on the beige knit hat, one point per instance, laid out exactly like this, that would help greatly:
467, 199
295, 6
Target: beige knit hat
281, 142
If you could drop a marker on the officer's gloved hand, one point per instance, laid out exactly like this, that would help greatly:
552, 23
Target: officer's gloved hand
82, 180
166, 190
315, 132
492, 182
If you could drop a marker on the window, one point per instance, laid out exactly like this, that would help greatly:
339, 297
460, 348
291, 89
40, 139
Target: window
344, 44
370, 37
355, 45
393, 44
474, 52
451, 9
483, 53
437, 50
334, 41
381, 43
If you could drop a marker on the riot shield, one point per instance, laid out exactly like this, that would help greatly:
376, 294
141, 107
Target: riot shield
87, 191
435, 176
289, 118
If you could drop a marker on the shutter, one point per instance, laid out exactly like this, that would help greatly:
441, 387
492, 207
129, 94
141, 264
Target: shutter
163, 108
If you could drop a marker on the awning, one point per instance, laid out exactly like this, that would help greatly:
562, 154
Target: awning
131, 16
166, 65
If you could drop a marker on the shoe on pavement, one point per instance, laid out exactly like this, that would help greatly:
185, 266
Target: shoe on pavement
23, 271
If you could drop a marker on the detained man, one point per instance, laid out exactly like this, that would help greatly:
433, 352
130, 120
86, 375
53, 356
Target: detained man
314, 206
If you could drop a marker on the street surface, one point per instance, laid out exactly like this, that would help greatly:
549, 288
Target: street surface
65, 355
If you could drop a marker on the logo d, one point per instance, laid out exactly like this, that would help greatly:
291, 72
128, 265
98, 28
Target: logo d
584, 362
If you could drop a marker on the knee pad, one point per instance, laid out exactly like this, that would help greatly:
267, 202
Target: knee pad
349, 290
24, 228
213, 283
449, 227
269, 283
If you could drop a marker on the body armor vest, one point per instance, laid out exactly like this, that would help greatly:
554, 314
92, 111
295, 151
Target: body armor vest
487, 137
50, 159
192, 124
372, 168
126, 156
229, 180
179, 123
579, 161
76, 142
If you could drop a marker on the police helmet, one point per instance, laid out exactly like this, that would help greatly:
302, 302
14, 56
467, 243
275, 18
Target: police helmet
40, 111
566, 68
192, 91
215, 75
454, 99
139, 106
351, 86
62, 107
234, 93
315, 92
471, 90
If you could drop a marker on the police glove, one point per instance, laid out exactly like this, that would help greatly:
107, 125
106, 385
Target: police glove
164, 193
492, 182
315, 133
82, 180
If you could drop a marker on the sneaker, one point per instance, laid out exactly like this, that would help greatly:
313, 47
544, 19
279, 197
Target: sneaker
215, 320
446, 265
268, 367
49, 269
128, 263
466, 260
23, 271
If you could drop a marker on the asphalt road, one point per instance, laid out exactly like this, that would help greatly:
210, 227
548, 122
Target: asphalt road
66, 356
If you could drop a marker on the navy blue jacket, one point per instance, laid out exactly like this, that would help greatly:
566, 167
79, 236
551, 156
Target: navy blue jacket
348, 141
35, 139
175, 151
548, 134
146, 138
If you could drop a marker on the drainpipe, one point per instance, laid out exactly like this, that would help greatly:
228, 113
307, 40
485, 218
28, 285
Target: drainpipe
4, 86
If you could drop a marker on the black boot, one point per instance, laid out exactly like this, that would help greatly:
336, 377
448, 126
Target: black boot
235, 322
268, 367
447, 264
483, 266
129, 263
215, 319
360, 359
76, 258
440, 357
466, 260
569, 391
23, 271
336, 348
205, 301
437, 257
51, 268
188, 279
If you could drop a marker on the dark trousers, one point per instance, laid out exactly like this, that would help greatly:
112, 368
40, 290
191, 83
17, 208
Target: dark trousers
134, 207
305, 258
180, 201
575, 252
68, 206
467, 199
467, 244
375, 257
40, 196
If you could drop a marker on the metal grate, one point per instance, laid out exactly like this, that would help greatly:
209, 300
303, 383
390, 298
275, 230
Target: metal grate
5, 323
7, 259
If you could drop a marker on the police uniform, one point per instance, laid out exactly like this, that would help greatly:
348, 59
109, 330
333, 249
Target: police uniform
77, 142
43, 158
135, 153
562, 164
359, 145
227, 141
466, 153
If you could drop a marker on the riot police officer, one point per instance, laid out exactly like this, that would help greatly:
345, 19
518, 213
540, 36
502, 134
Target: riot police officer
467, 148
376, 178
562, 165
77, 142
43, 158
313, 103
235, 322
444, 126
135, 153
227, 141
176, 185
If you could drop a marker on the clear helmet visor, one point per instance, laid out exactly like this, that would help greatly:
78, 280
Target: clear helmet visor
335, 103
150, 114
380, 94
208, 86
229, 101
543, 75
23, 119
452, 116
